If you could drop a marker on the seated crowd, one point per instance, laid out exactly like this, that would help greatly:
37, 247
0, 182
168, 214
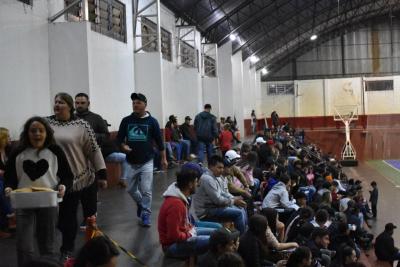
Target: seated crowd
275, 202
186, 141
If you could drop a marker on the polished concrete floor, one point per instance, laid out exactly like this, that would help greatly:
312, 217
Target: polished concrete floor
117, 218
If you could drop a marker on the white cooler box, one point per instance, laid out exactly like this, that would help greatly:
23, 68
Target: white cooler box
32, 200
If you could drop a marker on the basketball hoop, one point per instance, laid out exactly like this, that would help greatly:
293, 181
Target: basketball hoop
347, 114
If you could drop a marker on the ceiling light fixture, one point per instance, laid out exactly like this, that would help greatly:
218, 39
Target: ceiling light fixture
232, 37
264, 71
313, 37
254, 59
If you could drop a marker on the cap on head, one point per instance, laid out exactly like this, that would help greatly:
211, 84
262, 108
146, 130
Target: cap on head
390, 227
187, 118
139, 96
231, 157
193, 166
172, 118
260, 140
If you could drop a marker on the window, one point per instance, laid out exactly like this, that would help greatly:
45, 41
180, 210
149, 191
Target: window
209, 66
75, 13
149, 43
280, 89
106, 16
380, 85
28, 2
189, 55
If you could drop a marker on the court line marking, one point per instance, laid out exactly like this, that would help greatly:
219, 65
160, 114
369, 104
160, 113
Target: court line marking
390, 180
394, 168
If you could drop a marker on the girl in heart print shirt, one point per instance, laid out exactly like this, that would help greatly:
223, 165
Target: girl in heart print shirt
38, 162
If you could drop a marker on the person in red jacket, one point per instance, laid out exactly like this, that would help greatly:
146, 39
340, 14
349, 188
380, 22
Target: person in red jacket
225, 139
178, 236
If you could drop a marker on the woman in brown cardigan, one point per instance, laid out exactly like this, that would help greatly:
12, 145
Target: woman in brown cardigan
77, 139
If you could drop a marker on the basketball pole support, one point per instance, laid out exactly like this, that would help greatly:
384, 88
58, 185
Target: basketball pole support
348, 155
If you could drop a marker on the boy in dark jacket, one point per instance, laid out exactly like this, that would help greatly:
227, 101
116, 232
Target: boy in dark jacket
374, 198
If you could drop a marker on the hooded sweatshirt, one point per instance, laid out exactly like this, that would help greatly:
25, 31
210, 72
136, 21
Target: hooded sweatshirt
173, 219
278, 197
211, 193
205, 125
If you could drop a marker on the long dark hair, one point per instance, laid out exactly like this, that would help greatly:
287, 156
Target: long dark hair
271, 215
24, 137
97, 251
298, 256
258, 225
343, 252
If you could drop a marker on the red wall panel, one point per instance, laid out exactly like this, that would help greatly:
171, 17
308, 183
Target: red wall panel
373, 136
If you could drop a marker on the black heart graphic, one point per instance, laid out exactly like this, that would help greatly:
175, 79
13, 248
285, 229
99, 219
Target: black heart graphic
35, 170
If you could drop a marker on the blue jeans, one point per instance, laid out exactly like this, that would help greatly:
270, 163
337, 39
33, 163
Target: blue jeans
235, 214
174, 146
140, 184
192, 246
204, 224
309, 191
205, 146
119, 157
185, 147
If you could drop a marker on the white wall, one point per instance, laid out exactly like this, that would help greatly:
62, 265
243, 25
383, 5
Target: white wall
383, 102
211, 94
82, 60
320, 97
68, 57
24, 67
48, 58
180, 90
237, 89
225, 79
184, 93
258, 96
249, 89
149, 81
39, 59
282, 104
305, 92
111, 73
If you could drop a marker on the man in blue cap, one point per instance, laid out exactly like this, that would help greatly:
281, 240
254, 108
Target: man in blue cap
136, 136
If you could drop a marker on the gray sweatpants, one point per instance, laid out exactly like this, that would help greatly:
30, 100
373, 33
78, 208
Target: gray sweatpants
39, 223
